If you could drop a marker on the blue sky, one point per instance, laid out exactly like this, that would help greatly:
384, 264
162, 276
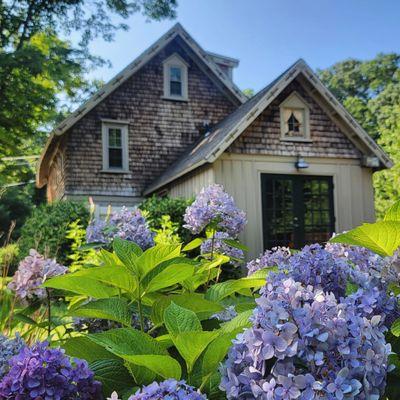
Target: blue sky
268, 35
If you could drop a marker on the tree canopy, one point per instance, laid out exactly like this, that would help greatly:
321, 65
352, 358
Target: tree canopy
370, 90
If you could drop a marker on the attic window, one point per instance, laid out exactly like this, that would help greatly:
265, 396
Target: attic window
175, 78
295, 119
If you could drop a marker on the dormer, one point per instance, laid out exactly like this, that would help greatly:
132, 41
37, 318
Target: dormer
175, 78
226, 64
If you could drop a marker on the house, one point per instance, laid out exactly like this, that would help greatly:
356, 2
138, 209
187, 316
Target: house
173, 122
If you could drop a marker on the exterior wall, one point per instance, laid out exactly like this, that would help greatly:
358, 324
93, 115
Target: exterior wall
263, 136
241, 177
191, 185
56, 183
159, 130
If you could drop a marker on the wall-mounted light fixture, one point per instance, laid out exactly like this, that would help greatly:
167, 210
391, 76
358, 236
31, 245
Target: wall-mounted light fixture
301, 163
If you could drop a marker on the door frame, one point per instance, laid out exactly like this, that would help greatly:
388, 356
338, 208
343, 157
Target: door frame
299, 177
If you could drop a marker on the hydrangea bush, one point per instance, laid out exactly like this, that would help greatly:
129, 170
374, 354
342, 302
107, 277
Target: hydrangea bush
304, 344
32, 272
9, 347
125, 224
170, 389
215, 207
40, 372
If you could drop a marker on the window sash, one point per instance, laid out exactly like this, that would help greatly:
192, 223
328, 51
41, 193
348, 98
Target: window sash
115, 147
175, 81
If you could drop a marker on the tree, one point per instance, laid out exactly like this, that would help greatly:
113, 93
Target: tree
39, 67
370, 90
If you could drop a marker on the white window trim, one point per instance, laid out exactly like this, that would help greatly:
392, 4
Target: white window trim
295, 101
175, 60
105, 126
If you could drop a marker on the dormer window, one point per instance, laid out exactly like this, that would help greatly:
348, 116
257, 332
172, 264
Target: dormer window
115, 146
295, 119
175, 78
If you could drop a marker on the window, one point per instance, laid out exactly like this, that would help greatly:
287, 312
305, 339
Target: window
295, 116
115, 146
175, 78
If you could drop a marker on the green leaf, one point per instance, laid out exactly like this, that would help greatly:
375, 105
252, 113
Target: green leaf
165, 366
194, 244
127, 341
169, 276
393, 213
141, 375
114, 309
155, 256
236, 244
382, 237
191, 344
351, 288
241, 321
128, 252
178, 319
82, 285
112, 374
395, 329
82, 347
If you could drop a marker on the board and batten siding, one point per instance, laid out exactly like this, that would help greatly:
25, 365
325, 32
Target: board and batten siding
241, 177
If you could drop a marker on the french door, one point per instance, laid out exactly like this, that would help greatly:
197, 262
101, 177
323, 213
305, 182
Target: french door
297, 210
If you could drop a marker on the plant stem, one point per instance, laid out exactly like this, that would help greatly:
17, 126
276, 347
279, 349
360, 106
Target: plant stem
140, 314
211, 256
48, 312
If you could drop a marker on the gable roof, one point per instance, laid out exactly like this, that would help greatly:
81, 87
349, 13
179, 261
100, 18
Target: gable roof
121, 77
215, 142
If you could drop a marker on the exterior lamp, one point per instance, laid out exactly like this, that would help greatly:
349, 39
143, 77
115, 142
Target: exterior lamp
301, 163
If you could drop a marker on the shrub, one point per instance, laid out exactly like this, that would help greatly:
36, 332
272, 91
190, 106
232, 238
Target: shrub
157, 207
46, 229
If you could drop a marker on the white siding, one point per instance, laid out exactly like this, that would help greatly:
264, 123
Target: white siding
190, 186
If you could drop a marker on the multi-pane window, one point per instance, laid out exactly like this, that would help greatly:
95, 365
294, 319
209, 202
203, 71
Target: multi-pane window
175, 81
293, 124
175, 78
115, 146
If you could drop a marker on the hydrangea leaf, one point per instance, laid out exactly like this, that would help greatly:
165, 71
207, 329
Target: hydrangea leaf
114, 309
165, 366
112, 374
127, 341
191, 344
82, 285
178, 319
82, 347
393, 213
382, 237
194, 244
156, 255
395, 329
239, 322
127, 252
236, 244
140, 374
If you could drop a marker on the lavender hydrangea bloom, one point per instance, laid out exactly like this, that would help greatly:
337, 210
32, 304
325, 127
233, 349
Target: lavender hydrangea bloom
304, 344
277, 257
213, 206
9, 348
32, 272
220, 247
169, 389
40, 372
125, 224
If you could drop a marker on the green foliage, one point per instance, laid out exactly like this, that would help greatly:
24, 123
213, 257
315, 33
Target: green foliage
46, 229
8, 256
165, 285
157, 208
167, 232
370, 90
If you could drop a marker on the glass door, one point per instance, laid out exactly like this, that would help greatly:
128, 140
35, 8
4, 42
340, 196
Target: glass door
297, 210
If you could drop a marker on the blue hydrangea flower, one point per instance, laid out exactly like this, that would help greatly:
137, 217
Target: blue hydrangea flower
41, 372
168, 390
277, 257
125, 224
8, 348
213, 206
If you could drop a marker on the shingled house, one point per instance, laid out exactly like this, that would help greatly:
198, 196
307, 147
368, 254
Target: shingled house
173, 122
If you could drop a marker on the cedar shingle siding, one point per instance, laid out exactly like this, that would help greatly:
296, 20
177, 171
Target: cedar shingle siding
159, 130
263, 136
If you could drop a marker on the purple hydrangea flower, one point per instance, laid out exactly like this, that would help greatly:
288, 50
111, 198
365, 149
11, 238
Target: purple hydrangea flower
169, 389
220, 247
41, 372
213, 206
9, 348
306, 344
32, 272
277, 257
125, 224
